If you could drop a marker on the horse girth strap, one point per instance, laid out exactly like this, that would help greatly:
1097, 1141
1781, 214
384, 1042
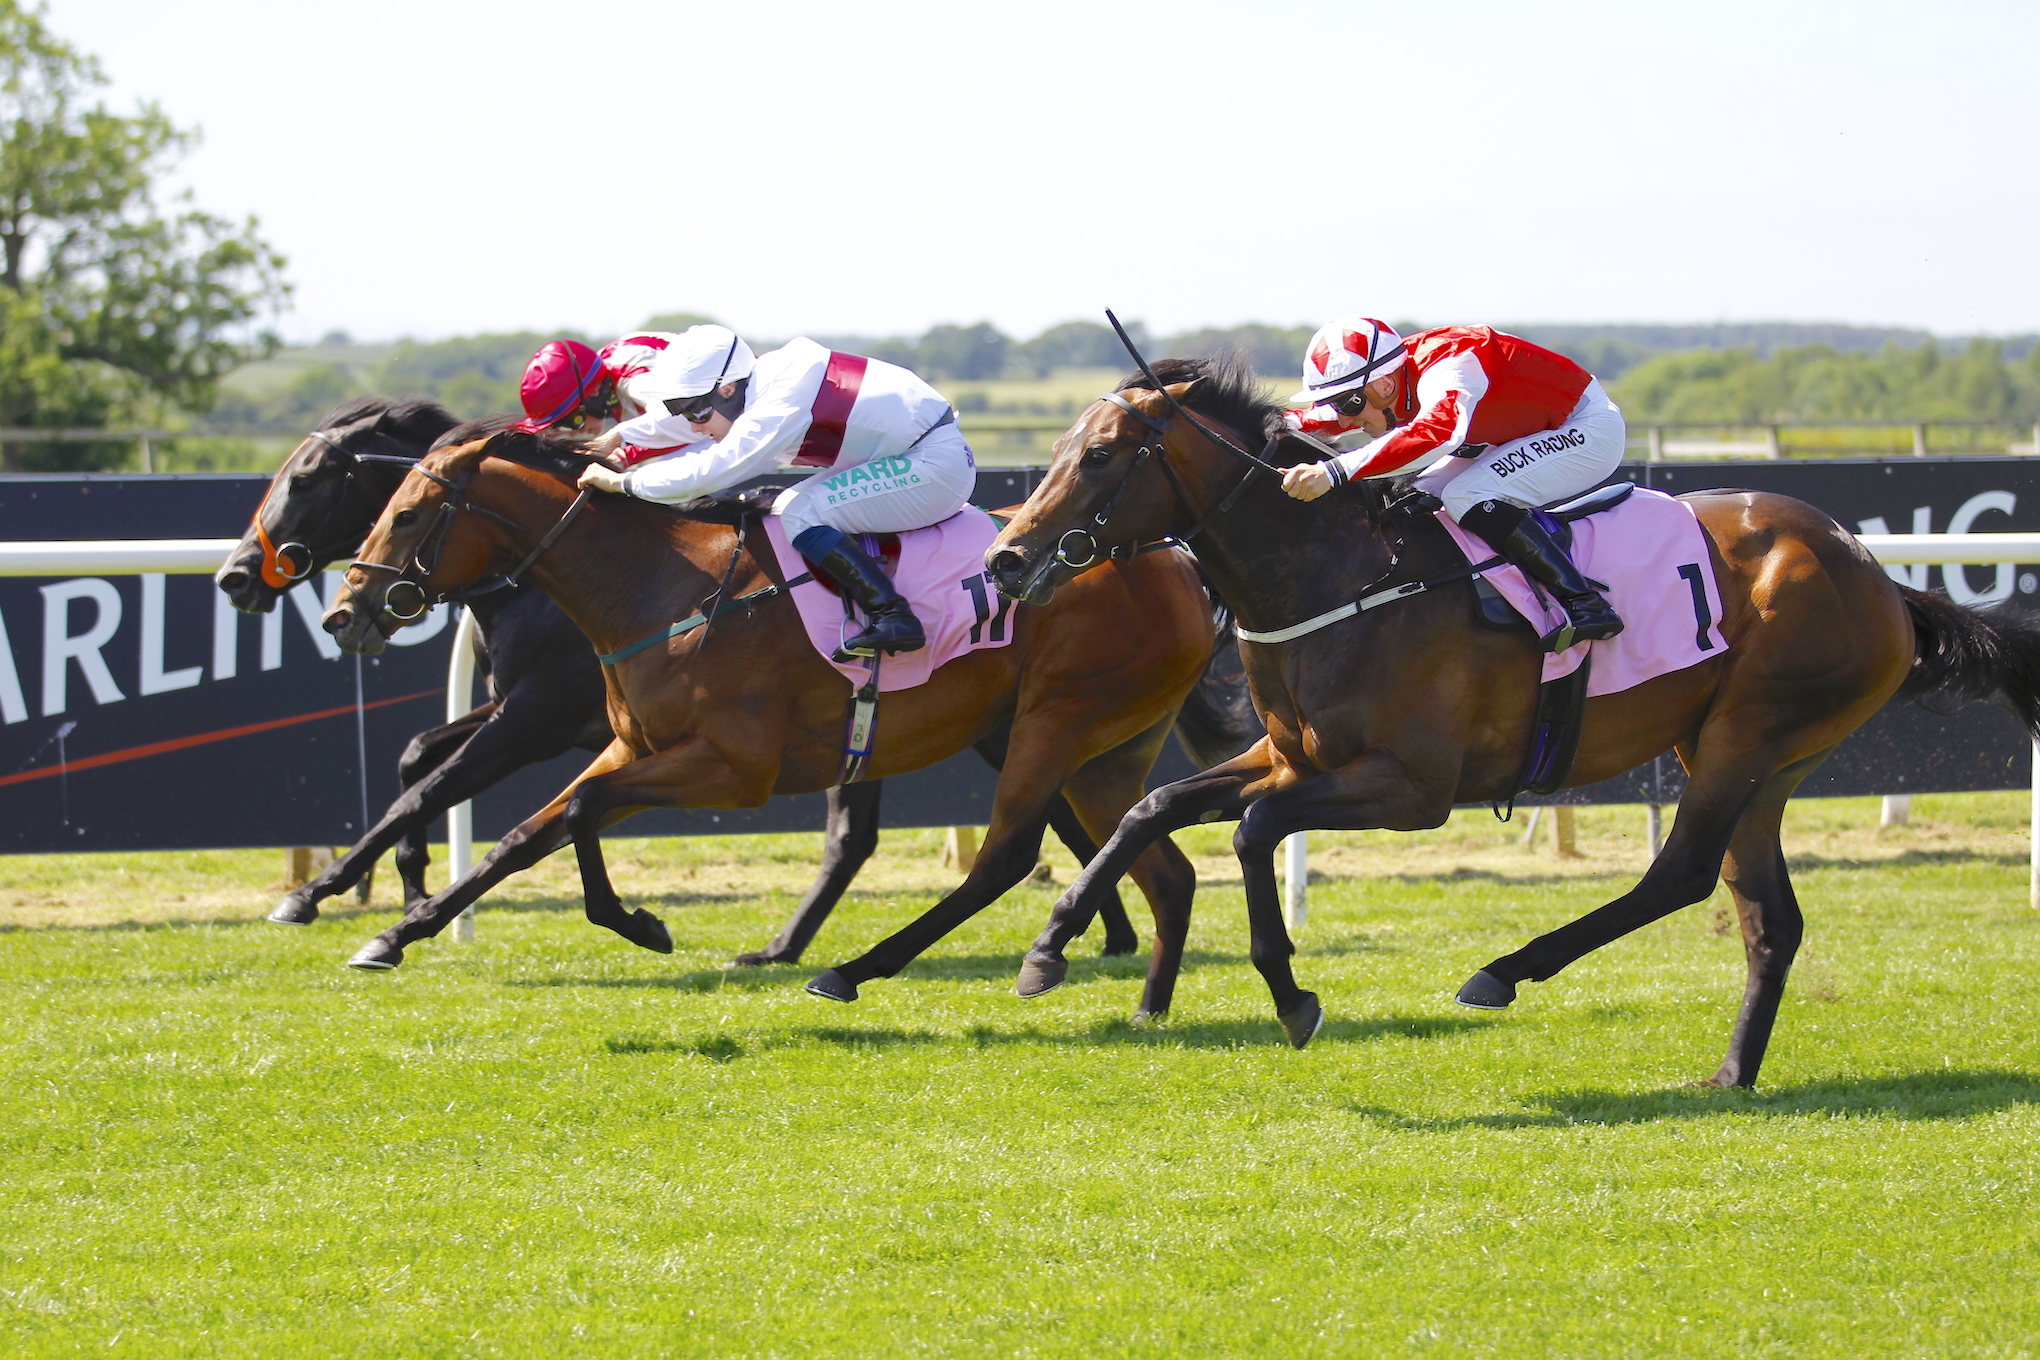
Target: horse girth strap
1365, 603
693, 621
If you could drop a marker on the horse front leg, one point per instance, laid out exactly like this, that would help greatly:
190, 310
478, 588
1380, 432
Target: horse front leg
426, 751
1375, 792
528, 843
850, 840
1101, 792
695, 773
1218, 794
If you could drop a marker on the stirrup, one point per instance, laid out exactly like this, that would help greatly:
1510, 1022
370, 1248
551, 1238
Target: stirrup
866, 645
1568, 633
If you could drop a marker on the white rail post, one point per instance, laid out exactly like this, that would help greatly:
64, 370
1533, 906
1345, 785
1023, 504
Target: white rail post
1896, 810
460, 818
2033, 836
1296, 877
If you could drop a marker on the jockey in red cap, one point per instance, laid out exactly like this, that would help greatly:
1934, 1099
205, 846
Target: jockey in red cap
570, 386
1500, 426
889, 454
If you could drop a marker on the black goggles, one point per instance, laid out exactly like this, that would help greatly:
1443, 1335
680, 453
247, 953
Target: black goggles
694, 410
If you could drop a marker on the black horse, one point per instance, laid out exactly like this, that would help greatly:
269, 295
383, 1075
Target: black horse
545, 687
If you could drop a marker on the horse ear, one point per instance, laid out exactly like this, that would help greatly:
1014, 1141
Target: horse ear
463, 457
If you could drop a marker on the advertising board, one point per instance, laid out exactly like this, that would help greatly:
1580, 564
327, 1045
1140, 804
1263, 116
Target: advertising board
141, 712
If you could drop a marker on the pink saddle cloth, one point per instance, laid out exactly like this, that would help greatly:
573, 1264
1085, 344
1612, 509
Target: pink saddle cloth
941, 571
1653, 555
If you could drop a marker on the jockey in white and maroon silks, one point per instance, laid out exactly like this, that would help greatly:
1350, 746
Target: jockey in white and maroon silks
888, 453
1504, 426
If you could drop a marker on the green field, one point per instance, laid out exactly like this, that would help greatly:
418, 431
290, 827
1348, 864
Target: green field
221, 1142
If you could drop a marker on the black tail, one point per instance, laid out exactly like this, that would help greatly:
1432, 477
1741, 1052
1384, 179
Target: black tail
1966, 654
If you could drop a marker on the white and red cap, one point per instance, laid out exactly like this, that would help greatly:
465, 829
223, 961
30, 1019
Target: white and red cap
1347, 352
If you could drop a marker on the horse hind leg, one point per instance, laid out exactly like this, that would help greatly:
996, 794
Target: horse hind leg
851, 839
1725, 783
1772, 926
1069, 829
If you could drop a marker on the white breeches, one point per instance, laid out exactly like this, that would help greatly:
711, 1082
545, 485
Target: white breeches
1538, 469
923, 486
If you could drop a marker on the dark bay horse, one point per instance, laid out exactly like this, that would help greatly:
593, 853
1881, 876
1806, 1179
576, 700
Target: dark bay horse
729, 714
1388, 718
545, 690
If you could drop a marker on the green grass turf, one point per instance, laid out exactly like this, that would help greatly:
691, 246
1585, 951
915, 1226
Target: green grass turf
220, 1142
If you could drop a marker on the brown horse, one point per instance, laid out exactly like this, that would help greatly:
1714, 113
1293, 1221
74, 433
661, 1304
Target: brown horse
1390, 717
728, 714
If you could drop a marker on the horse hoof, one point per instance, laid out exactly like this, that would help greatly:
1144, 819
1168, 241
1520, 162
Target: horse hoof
1486, 992
1303, 1023
649, 932
1041, 974
834, 986
757, 958
377, 956
1115, 948
1147, 1019
294, 911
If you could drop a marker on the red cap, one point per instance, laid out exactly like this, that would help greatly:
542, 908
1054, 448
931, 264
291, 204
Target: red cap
559, 378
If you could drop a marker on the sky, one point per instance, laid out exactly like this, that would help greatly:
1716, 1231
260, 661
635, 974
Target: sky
435, 168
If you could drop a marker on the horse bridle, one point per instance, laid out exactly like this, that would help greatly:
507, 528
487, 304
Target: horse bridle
293, 561
417, 599
1087, 540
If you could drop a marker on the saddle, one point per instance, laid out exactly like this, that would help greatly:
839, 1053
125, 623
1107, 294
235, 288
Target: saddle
1561, 703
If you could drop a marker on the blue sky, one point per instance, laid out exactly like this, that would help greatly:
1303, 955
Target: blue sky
435, 168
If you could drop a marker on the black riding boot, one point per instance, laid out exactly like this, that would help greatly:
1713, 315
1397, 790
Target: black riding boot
1517, 535
893, 625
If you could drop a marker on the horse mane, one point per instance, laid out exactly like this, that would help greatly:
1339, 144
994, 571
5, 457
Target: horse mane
564, 456
411, 420
1227, 390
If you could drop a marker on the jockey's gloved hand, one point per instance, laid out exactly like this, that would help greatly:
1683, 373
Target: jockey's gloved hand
598, 478
1307, 481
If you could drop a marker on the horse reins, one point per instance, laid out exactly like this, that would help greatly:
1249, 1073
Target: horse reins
435, 540
1154, 448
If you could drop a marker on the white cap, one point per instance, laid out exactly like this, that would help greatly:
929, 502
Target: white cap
698, 359
1347, 352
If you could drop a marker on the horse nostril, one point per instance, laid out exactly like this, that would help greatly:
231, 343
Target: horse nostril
1007, 564
336, 622
233, 582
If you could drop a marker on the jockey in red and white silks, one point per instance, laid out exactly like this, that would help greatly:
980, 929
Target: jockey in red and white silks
570, 386
1499, 426
886, 445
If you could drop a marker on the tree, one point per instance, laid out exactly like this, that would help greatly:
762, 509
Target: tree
972, 353
1080, 344
109, 308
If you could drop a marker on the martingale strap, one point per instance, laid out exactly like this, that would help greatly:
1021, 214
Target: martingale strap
841, 381
1366, 602
693, 621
